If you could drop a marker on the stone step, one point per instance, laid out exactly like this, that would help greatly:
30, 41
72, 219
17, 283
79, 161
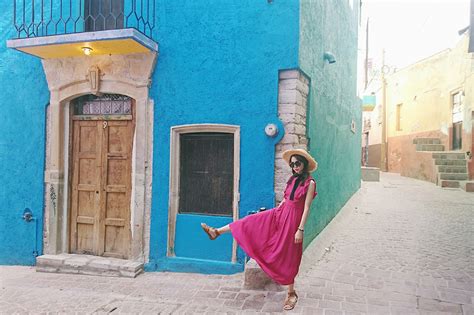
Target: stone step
452, 169
450, 162
426, 141
88, 265
429, 147
449, 183
450, 156
460, 169
453, 176
468, 186
370, 174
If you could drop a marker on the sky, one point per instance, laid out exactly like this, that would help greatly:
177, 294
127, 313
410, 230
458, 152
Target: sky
411, 30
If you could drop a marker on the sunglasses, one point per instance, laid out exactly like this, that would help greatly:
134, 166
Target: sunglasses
295, 164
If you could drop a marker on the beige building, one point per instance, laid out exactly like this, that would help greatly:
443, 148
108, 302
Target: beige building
429, 113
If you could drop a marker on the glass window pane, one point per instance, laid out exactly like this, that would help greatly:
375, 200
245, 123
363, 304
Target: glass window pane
206, 173
107, 104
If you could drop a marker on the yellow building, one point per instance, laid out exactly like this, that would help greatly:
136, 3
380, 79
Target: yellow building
429, 113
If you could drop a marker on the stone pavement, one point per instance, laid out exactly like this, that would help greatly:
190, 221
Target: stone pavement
399, 246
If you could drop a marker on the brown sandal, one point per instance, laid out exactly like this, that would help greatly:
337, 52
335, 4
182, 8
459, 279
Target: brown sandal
290, 301
213, 233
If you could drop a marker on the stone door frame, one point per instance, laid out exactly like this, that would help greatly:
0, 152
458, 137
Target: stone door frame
175, 133
58, 152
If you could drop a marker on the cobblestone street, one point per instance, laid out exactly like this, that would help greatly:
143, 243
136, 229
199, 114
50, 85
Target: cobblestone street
399, 246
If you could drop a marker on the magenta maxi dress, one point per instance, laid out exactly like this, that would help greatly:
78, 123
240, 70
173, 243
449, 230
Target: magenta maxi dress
269, 236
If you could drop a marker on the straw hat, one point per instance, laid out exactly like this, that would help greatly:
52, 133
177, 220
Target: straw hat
312, 164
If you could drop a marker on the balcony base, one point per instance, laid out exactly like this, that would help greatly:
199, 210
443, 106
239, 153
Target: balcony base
110, 42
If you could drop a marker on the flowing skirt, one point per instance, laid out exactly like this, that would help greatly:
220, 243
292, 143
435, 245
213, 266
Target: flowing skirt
269, 238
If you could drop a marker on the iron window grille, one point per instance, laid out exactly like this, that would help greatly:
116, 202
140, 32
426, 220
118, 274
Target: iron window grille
56, 17
106, 104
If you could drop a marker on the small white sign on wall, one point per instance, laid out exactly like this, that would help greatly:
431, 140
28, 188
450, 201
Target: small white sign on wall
353, 126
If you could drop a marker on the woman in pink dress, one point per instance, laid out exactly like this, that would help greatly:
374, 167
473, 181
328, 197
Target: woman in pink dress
274, 238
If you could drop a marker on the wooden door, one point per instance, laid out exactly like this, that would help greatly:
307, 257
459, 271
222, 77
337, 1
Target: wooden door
101, 186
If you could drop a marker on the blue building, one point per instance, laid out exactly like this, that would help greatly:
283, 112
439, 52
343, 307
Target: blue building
126, 124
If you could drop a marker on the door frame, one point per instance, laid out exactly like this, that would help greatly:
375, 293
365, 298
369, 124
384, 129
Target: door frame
175, 133
451, 107
56, 223
104, 118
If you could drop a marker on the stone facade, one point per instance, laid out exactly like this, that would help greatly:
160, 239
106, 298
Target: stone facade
67, 79
293, 87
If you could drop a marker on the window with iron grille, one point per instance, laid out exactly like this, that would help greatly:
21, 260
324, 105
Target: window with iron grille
106, 104
102, 15
206, 173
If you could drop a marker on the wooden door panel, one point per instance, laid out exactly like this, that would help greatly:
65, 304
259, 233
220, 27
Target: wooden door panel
86, 205
117, 187
115, 241
118, 136
85, 196
117, 171
87, 171
88, 137
85, 239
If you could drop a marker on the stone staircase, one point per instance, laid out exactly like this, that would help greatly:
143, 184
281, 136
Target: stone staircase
428, 144
451, 165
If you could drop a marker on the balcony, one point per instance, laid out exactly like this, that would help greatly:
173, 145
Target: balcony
70, 28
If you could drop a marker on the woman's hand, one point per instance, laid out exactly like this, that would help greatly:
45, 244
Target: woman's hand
299, 237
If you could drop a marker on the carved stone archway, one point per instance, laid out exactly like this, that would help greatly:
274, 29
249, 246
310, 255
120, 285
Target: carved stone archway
67, 79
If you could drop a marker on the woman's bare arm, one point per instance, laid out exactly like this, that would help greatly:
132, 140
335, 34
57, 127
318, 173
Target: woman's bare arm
307, 206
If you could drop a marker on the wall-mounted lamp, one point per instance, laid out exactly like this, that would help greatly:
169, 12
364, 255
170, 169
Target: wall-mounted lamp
271, 130
329, 57
87, 51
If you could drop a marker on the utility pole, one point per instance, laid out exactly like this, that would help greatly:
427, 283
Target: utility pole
366, 79
383, 153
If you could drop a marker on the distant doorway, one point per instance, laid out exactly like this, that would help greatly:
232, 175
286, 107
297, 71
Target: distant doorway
457, 136
457, 112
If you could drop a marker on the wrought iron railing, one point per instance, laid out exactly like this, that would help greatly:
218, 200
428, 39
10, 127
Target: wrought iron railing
54, 17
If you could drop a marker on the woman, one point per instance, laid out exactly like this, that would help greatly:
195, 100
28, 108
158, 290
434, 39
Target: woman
274, 238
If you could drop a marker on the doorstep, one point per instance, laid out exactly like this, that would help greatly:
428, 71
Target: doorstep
88, 265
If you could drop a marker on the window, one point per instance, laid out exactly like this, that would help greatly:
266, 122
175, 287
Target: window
102, 15
106, 104
206, 175
399, 117
458, 108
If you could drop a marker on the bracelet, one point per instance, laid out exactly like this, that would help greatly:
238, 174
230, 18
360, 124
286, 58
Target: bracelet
300, 229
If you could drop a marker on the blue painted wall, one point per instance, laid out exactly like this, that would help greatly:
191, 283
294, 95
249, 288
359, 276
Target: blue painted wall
331, 25
218, 63
22, 140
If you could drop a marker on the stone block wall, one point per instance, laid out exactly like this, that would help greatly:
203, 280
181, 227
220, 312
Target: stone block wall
293, 87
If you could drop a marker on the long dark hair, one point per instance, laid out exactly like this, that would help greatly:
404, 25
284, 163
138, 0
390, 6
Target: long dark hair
304, 174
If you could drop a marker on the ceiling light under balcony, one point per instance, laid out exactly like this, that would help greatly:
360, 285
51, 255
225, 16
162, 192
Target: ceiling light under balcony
87, 51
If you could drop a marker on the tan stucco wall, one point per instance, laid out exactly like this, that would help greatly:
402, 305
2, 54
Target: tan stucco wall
404, 159
374, 155
425, 90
